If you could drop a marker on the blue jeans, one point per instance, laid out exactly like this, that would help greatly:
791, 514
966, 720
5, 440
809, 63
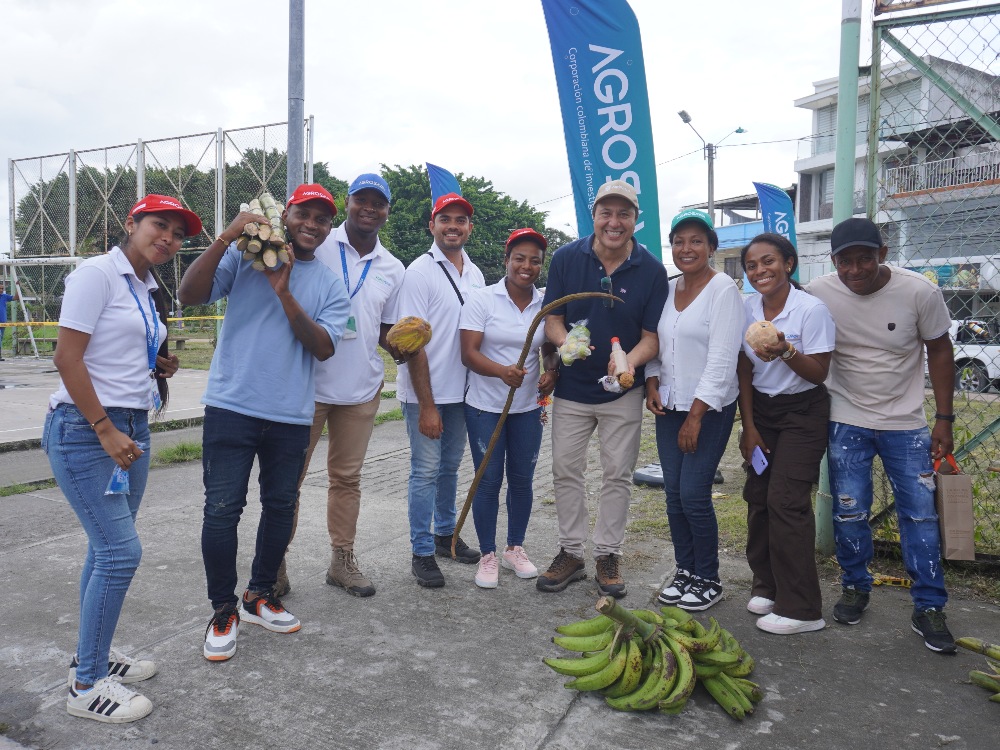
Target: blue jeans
517, 447
433, 475
906, 457
82, 470
687, 482
229, 444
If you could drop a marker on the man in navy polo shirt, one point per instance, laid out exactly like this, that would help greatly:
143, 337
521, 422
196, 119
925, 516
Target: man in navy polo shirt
609, 260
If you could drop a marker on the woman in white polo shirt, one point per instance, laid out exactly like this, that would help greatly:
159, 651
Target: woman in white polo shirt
785, 410
112, 360
493, 328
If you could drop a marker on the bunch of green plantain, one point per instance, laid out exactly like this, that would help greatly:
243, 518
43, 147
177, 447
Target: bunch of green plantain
984, 679
641, 660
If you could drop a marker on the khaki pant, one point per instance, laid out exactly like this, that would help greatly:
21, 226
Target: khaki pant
618, 425
349, 428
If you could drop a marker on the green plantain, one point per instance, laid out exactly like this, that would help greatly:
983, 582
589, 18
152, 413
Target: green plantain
678, 615
577, 667
742, 668
648, 615
750, 689
745, 703
592, 626
979, 646
717, 657
686, 678
600, 680
631, 675
628, 702
666, 683
585, 642
706, 670
698, 645
724, 697
985, 680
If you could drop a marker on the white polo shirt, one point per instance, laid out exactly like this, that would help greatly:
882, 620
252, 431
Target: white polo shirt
493, 313
427, 293
98, 302
353, 375
807, 325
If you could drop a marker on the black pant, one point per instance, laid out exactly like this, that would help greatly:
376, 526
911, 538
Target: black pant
781, 539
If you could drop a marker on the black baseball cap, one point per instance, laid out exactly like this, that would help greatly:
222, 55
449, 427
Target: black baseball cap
855, 232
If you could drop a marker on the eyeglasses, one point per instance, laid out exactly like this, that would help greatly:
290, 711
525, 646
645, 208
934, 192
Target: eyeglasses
606, 288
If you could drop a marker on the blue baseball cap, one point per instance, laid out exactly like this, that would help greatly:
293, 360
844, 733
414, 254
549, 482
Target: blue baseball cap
370, 181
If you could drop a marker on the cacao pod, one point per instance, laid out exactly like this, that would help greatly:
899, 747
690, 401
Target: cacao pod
409, 335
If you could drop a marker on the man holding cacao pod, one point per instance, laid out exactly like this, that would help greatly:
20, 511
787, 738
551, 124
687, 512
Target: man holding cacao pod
431, 387
609, 260
885, 316
349, 384
259, 402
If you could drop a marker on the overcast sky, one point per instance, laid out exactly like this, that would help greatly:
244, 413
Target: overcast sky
466, 84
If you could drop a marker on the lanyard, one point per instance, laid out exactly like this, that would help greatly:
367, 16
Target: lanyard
152, 337
347, 279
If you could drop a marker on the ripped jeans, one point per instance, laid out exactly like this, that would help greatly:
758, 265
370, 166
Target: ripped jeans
906, 458
517, 448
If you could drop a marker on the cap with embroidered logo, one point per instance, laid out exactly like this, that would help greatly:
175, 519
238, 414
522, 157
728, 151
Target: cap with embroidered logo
692, 214
370, 181
154, 204
448, 199
526, 234
312, 192
617, 189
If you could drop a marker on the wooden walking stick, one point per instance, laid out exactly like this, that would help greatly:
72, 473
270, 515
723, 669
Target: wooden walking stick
510, 399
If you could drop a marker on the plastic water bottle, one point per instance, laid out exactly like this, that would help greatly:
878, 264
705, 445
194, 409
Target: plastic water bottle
118, 484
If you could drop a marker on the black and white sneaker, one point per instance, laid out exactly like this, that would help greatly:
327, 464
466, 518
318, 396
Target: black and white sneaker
108, 701
125, 668
676, 588
701, 594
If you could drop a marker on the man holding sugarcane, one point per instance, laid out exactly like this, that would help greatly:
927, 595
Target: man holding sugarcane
431, 387
259, 402
349, 384
609, 260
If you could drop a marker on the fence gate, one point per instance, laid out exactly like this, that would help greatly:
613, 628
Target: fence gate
934, 187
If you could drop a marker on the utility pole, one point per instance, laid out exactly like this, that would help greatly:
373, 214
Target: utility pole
296, 94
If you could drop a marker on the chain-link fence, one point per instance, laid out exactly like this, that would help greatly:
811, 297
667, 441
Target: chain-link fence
74, 205
934, 186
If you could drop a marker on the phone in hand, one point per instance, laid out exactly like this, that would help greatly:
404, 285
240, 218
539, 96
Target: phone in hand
758, 460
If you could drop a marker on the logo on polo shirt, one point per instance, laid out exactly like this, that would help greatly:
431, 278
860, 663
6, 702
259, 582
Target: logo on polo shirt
382, 280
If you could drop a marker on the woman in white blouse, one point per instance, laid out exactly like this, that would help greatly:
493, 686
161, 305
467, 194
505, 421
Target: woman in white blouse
692, 388
785, 410
493, 328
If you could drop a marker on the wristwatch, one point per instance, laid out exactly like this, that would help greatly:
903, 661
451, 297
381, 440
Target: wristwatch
789, 352
945, 417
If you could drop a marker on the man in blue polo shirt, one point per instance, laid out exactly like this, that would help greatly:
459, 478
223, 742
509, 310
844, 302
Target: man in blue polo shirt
609, 260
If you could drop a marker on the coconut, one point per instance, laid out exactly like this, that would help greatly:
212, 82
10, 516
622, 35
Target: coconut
759, 334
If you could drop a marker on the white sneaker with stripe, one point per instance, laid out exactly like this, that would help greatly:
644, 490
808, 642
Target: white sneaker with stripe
108, 701
125, 668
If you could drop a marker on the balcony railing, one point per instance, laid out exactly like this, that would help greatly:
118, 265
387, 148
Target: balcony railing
946, 173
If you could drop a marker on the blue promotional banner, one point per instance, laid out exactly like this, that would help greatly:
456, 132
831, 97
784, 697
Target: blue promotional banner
442, 182
601, 80
776, 210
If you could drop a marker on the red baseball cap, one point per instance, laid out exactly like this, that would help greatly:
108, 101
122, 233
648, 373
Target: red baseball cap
154, 204
312, 192
526, 233
447, 199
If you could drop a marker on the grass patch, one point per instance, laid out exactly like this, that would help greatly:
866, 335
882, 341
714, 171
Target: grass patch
196, 355
390, 365
393, 415
23, 489
177, 454
388, 395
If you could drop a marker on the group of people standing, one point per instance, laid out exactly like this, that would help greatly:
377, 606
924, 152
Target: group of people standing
298, 352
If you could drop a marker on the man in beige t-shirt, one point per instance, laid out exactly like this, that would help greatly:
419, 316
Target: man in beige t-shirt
885, 317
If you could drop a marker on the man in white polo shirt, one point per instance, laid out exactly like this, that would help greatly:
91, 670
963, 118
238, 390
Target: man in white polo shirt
349, 384
431, 387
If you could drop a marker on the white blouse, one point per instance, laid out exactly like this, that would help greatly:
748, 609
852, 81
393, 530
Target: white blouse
699, 346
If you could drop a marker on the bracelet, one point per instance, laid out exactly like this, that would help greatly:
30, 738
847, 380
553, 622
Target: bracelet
945, 417
223, 240
93, 425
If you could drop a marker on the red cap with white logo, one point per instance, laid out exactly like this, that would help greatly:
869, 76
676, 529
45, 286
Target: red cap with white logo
157, 204
312, 192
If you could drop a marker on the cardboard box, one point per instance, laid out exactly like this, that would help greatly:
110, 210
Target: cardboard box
955, 514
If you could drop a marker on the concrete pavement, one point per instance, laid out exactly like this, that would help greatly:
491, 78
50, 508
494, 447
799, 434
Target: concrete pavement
457, 667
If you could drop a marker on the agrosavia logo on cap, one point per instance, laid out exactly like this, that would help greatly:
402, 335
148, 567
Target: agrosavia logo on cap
161, 202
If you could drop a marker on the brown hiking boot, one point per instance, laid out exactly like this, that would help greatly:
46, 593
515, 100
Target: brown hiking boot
609, 578
561, 573
344, 572
282, 586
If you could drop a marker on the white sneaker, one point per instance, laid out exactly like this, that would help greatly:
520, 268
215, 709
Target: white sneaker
517, 560
488, 572
220, 635
108, 701
267, 611
760, 605
779, 625
125, 668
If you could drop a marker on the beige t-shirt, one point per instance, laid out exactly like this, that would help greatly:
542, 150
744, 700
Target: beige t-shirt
877, 371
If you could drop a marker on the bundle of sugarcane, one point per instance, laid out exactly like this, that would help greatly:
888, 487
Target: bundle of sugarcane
264, 244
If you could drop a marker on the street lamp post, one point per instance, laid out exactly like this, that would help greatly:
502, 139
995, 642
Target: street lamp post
710, 151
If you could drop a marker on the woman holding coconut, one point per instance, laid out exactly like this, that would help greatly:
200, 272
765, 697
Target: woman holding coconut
785, 410
692, 389
493, 327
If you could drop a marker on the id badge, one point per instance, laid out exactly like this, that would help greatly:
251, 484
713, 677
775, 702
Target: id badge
351, 329
154, 393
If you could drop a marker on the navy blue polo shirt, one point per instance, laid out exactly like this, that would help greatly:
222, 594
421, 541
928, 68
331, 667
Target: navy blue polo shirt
641, 281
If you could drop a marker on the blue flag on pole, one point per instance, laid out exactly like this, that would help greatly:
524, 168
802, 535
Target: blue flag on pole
778, 213
601, 80
442, 182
